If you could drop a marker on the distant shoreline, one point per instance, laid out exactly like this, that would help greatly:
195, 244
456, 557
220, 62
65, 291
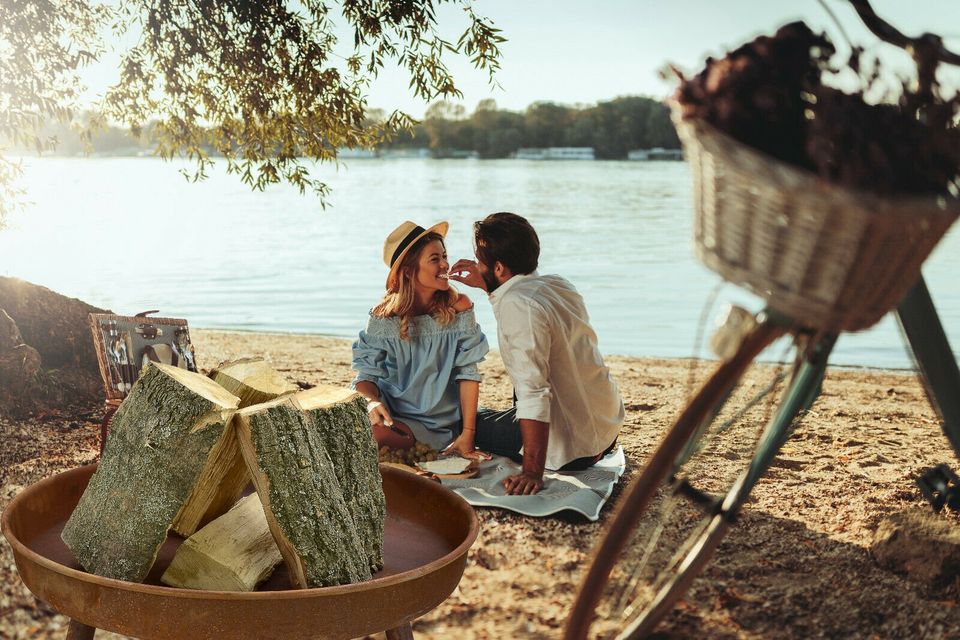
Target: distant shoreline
292, 335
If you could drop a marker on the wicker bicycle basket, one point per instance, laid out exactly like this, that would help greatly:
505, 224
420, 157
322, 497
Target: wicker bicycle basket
829, 257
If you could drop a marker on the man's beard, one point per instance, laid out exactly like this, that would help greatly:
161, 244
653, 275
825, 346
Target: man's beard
490, 280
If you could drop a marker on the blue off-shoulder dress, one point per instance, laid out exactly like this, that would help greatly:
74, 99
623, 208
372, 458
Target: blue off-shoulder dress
417, 377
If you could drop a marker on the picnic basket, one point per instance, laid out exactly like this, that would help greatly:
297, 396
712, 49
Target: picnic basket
829, 257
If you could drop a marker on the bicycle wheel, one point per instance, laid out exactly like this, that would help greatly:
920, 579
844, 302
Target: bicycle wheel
670, 519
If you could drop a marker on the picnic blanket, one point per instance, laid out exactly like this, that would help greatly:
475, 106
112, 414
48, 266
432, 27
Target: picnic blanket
582, 491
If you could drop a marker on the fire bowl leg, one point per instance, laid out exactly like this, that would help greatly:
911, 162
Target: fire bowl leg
403, 632
80, 631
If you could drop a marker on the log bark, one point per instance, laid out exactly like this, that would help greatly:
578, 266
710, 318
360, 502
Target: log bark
235, 552
340, 419
160, 440
301, 496
225, 475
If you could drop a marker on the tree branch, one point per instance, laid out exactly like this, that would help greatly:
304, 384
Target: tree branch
888, 33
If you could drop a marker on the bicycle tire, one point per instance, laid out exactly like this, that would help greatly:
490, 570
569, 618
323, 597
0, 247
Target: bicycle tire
642, 490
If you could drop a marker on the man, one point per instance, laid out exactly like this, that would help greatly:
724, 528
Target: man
568, 408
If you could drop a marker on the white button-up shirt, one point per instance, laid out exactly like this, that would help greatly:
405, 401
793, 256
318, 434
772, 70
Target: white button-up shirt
550, 353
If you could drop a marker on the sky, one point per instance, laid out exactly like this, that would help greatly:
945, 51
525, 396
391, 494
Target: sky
579, 52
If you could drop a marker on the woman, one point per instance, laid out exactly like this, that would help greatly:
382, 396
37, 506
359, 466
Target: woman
416, 361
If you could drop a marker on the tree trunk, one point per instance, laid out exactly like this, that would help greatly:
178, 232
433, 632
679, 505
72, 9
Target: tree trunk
19, 366
340, 418
235, 552
301, 496
225, 475
55, 325
54, 358
160, 440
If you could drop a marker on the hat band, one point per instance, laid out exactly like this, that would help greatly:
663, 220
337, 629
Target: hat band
406, 243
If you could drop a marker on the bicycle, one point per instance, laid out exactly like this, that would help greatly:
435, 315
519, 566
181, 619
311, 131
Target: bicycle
673, 517
671, 567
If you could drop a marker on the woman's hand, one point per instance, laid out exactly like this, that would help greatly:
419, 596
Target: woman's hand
387, 432
379, 414
468, 272
464, 447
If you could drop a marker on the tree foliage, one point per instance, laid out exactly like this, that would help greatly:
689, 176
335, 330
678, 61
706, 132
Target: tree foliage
264, 84
42, 46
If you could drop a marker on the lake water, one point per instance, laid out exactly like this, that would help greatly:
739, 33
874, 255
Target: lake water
131, 234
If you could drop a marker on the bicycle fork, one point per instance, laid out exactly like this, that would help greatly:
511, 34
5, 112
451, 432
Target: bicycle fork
801, 393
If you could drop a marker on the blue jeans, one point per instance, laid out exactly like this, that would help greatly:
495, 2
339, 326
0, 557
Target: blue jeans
498, 433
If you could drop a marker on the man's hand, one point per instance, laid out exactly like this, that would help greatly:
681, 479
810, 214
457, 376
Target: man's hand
523, 484
535, 436
468, 272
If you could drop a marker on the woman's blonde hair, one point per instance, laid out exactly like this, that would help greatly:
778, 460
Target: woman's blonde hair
399, 300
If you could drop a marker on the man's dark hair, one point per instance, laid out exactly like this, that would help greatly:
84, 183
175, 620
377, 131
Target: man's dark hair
508, 238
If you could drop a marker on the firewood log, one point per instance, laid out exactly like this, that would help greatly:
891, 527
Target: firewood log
160, 440
235, 552
252, 380
339, 416
301, 496
225, 475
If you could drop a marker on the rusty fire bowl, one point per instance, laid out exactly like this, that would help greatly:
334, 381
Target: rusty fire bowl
428, 532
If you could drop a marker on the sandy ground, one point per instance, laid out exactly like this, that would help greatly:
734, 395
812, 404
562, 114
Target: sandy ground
797, 565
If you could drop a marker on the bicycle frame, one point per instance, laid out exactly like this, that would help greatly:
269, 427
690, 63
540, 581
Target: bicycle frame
935, 362
938, 368
939, 373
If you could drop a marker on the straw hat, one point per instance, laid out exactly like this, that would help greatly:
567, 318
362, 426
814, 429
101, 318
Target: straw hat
399, 242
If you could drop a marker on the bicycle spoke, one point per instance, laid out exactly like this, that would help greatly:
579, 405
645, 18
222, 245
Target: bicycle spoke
678, 528
698, 443
627, 597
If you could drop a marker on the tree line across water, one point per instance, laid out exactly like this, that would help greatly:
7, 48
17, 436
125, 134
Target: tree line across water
611, 128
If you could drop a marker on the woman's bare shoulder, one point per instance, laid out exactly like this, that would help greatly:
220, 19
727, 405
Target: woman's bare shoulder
462, 303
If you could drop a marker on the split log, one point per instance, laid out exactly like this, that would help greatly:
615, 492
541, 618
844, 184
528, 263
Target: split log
340, 418
301, 495
235, 552
225, 475
252, 380
159, 443
220, 485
